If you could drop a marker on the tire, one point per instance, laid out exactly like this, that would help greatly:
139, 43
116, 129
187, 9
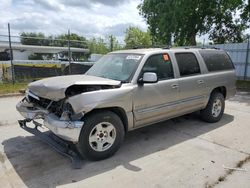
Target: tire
213, 113
102, 135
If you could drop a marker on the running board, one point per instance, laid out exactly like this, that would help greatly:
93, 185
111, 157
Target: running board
60, 145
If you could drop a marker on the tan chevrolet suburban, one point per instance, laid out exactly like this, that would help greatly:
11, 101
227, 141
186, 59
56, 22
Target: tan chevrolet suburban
126, 90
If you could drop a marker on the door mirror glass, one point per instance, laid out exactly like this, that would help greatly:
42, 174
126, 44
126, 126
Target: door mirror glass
149, 77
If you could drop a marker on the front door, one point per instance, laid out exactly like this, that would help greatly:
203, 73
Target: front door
156, 101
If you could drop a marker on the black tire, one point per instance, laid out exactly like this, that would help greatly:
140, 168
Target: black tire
90, 123
207, 113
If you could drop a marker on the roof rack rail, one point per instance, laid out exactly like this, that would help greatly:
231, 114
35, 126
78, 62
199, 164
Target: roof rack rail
167, 47
198, 47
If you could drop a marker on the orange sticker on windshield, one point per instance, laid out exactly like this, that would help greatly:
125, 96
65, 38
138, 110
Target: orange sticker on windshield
165, 57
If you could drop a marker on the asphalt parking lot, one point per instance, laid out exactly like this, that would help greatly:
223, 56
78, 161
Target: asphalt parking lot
183, 152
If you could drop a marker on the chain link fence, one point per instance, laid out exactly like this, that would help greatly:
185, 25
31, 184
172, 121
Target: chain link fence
32, 56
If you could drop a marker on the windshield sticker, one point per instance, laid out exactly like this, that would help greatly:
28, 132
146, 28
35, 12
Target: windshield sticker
133, 57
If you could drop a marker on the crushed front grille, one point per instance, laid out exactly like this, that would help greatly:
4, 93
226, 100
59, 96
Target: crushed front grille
55, 107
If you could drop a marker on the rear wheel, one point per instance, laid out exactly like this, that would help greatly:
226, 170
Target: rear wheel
101, 136
214, 109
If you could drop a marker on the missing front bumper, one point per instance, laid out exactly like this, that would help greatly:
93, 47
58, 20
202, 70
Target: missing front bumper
63, 147
66, 129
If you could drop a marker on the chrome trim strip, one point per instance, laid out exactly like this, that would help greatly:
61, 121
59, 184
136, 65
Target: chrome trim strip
158, 107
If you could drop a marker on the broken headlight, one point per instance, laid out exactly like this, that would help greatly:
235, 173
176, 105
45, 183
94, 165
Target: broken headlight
67, 111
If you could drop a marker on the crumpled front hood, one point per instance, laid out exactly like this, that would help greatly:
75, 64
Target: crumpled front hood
54, 88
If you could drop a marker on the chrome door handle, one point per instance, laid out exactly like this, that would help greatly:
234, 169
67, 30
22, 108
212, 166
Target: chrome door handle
174, 86
200, 82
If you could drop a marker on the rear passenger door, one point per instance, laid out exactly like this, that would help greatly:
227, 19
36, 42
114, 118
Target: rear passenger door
192, 86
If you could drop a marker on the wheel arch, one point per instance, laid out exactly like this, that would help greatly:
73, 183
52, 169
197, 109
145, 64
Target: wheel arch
117, 110
220, 89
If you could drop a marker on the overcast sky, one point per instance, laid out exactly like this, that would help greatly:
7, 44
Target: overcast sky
85, 17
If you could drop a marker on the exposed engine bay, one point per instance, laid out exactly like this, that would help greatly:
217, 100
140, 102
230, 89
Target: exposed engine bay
78, 89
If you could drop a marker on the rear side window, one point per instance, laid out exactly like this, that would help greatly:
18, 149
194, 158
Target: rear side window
161, 65
188, 64
216, 60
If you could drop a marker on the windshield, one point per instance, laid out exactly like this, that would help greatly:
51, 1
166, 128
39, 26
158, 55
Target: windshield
116, 66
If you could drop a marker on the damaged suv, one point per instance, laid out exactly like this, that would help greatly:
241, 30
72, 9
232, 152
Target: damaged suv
129, 89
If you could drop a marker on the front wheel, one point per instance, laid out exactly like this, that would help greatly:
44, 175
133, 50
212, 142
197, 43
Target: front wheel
101, 136
214, 109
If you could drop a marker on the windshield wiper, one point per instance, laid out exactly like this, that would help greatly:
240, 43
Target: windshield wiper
124, 81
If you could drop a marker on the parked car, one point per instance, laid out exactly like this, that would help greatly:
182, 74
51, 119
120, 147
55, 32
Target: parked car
129, 89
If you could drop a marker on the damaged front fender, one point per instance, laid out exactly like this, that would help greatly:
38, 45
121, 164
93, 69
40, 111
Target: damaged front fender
86, 102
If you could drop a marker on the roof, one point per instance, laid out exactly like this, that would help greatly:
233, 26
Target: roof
41, 49
152, 50
139, 51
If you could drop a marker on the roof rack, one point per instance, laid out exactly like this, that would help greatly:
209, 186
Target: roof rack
198, 47
167, 47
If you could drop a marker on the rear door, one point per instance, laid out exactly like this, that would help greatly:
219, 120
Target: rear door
191, 82
156, 101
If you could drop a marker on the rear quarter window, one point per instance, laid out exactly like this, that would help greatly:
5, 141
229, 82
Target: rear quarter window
216, 60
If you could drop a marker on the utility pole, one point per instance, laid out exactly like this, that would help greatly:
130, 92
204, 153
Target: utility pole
69, 52
247, 55
11, 57
111, 43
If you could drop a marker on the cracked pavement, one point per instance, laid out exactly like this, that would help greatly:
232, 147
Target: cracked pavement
183, 152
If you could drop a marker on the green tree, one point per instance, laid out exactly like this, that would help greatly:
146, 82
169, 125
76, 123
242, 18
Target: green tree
227, 27
245, 15
117, 45
113, 43
98, 46
32, 38
39, 39
227, 31
76, 41
134, 37
183, 20
103, 45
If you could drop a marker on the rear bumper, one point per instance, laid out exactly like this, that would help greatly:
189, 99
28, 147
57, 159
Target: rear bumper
67, 130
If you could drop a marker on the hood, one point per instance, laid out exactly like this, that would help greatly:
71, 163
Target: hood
54, 88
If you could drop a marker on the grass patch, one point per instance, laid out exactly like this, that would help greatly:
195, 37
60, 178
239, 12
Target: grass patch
6, 88
243, 85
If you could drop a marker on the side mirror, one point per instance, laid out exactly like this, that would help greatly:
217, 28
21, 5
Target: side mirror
149, 77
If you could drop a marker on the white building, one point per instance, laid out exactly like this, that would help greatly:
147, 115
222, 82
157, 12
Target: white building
22, 52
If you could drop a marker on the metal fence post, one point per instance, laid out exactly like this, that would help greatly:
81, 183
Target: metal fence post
111, 43
69, 52
247, 55
11, 57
